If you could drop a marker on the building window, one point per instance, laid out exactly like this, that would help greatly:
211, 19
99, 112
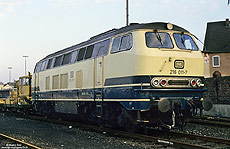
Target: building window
216, 61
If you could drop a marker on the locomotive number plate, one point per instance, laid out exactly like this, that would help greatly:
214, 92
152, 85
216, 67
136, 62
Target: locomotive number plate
179, 72
179, 64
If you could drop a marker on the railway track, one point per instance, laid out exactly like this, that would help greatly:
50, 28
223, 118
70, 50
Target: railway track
10, 142
214, 121
155, 137
203, 141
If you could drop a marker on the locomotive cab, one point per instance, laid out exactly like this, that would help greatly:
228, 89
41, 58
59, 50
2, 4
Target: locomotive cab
24, 89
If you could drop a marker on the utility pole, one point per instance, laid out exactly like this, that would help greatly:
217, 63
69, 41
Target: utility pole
9, 68
127, 12
25, 62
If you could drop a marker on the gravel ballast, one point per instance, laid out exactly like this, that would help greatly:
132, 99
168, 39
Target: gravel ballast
52, 135
49, 135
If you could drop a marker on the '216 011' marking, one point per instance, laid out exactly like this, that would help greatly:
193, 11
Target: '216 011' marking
180, 72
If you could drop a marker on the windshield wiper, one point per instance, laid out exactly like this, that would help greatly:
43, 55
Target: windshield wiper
183, 40
158, 37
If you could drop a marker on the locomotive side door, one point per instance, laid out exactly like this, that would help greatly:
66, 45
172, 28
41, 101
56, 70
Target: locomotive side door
36, 84
98, 85
98, 81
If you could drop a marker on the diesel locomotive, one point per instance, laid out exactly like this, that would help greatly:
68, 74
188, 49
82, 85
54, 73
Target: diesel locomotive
18, 98
140, 75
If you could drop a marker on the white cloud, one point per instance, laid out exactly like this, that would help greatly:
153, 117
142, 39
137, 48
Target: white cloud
7, 6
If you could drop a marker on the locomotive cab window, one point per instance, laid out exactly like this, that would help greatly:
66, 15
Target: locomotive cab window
158, 40
126, 42
25, 81
184, 41
122, 43
116, 45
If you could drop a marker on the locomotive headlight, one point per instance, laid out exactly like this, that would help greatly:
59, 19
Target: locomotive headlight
198, 82
193, 83
163, 82
169, 26
155, 82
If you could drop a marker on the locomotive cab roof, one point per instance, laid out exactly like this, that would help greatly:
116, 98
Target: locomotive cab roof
113, 32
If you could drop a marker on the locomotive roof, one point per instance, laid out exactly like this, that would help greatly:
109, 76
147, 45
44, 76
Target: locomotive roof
113, 32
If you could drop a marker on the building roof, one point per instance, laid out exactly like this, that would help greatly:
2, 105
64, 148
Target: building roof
217, 38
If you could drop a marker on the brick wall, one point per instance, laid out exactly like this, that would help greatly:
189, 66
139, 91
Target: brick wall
218, 90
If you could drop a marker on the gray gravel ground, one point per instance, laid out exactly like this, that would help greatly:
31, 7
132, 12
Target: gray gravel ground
47, 135
212, 131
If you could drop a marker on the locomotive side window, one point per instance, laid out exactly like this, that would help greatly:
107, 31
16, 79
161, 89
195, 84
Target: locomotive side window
66, 58
38, 67
81, 54
58, 61
116, 45
20, 81
101, 48
44, 65
185, 42
126, 42
122, 43
49, 63
74, 56
158, 40
89, 52
25, 81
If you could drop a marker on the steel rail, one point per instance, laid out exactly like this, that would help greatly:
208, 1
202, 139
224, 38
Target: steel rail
200, 137
19, 141
223, 122
154, 139
149, 137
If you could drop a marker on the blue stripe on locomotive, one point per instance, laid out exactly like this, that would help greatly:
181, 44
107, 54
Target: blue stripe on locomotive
130, 93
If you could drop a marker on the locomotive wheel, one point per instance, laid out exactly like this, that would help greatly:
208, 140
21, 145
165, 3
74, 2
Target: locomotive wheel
4, 109
129, 125
126, 121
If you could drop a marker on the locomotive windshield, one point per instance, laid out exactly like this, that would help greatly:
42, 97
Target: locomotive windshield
185, 42
158, 40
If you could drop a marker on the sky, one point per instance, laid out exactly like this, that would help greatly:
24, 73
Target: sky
36, 28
